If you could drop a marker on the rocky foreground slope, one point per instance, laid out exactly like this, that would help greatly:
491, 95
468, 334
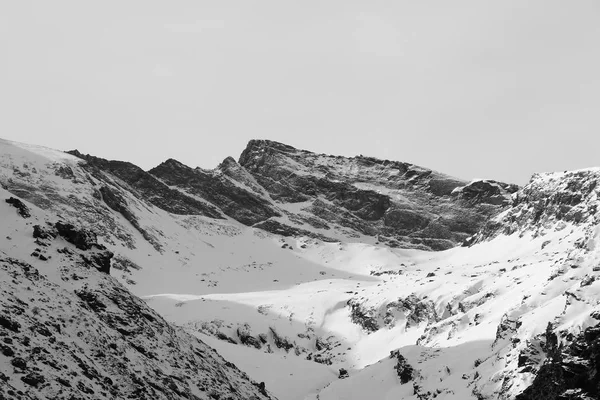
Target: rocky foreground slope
69, 330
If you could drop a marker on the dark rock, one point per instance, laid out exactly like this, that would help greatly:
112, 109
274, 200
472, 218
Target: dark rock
263, 389
279, 228
65, 172
9, 324
571, 370
20, 363
83, 239
246, 337
224, 337
7, 351
42, 233
403, 369
33, 379
63, 382
280, 341
343, 373
361, 317
22, 209
91, 299
102, 260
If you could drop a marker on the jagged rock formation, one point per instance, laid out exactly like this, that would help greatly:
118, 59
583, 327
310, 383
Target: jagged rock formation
401, 203
549, 201
235, 199
571, 370
298, 193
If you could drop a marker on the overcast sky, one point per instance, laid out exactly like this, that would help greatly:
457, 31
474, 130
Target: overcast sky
475, 89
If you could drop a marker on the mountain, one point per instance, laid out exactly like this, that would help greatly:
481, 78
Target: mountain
290, 192
320, 277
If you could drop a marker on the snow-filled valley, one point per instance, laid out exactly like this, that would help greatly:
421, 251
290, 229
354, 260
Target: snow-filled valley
331, 292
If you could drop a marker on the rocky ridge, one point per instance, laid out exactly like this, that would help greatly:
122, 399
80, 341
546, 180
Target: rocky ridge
295, 192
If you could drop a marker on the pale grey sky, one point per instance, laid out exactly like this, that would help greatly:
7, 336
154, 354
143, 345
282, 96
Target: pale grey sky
477, 89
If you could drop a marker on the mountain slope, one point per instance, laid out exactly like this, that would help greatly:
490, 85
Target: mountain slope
70, 330
294, 265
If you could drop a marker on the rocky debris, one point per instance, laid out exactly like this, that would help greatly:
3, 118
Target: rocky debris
22, 209
33, 379
343, 373
246, 337
417, 310
404, 370
122, 263
97, 256
361, 317
281, 342
282, 229
44, 233
506, 328
530, 357
65, 172
571, 370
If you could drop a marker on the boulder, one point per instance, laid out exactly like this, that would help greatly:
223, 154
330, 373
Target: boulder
22, 209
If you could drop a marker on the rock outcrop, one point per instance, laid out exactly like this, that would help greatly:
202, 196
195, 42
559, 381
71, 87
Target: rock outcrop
548, 202
233, 198
403, 204
571, 371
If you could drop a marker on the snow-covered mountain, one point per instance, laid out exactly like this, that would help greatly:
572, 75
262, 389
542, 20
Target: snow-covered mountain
298, 268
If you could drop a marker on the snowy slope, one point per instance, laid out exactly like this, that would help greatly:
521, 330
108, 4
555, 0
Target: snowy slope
69, 330
291, 310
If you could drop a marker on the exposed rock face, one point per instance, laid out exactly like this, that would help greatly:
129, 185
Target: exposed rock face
294, 192
571, 371
233, 199
548, 201
486, 191
404, 370
83, 239
147, 186
405, 204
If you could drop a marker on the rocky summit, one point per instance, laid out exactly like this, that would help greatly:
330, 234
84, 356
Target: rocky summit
293, 275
